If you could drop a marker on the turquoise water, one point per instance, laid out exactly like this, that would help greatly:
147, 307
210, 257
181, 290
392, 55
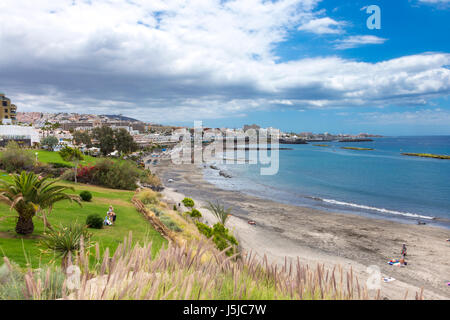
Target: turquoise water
379, 183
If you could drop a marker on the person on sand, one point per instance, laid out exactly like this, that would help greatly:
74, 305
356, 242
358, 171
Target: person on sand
402, 260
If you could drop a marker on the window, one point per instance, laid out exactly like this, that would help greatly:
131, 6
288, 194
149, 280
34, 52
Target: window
5, 103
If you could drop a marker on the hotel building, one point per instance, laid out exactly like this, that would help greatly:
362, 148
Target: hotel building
8, 111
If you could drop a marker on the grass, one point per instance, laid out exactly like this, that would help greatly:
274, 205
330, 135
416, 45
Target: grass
427, 155
197, 271
25, 250
54, 157
355, 148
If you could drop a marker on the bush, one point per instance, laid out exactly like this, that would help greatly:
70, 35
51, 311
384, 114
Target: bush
148, 178
107, 173
68, 175
195, 213
220, 236
188, 202
175, 207
86, 196
15, 159
46, 170
204, 229
65, 240
85, 174
59, 165
116, 175
149, 197
157, 212
94, 221
169, 223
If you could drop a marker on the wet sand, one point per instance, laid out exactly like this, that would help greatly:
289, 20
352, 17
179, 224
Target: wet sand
287, 231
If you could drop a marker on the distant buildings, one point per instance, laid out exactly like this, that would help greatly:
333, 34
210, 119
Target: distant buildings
8, 111
253, 126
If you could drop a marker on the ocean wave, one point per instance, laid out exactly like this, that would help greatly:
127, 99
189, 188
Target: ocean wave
382, 210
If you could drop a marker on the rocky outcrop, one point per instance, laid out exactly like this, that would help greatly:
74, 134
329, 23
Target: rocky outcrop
225, 174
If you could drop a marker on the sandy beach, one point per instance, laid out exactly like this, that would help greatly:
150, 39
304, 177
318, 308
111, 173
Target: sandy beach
290, 232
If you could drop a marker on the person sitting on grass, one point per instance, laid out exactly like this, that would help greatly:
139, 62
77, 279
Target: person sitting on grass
111, 215
107, 222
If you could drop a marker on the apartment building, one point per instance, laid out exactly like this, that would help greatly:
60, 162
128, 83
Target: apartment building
8, 111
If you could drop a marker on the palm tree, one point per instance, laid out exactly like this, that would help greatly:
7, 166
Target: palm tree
219, 211
29, 194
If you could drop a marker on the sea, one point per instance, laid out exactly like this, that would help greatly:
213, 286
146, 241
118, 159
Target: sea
380, 183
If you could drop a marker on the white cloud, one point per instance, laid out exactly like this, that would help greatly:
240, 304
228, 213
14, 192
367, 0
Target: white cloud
422, 117
357, 41
180, 60
323, 26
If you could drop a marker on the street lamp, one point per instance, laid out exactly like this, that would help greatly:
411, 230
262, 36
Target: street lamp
36, 156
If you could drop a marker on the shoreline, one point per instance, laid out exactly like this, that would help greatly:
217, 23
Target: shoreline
336, 206
285, 231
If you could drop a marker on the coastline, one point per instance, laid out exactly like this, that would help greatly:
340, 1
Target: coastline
285, 231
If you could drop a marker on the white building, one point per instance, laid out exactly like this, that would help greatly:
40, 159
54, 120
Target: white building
9, 132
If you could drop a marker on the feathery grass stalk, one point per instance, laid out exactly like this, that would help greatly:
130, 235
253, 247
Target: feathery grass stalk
197, 271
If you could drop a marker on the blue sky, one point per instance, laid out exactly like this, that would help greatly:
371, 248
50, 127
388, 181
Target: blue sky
299, 65
411, 28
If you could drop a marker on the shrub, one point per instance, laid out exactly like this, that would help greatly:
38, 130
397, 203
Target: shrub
86, 196
204, 229
175, 207
85, 174
116, 175
150, 179
195, 213
157, 212
59, 165
67, 175
94, 221
169, 223
65, 241
149, 197
188, 202
15, 159
220, 236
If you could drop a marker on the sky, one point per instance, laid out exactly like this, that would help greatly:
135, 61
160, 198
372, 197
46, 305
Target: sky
297, 65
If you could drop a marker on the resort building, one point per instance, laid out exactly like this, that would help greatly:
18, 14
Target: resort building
8, 111
25, 136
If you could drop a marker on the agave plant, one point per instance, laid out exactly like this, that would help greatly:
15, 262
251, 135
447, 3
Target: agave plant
219, 211
29, 194
66, 241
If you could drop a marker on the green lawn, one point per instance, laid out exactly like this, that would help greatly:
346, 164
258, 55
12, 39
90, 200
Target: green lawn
54, 157
22, 249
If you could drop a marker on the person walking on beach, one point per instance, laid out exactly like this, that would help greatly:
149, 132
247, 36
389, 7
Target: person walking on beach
402, 260
404, 250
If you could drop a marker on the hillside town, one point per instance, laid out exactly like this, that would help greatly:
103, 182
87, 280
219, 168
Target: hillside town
31, 127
